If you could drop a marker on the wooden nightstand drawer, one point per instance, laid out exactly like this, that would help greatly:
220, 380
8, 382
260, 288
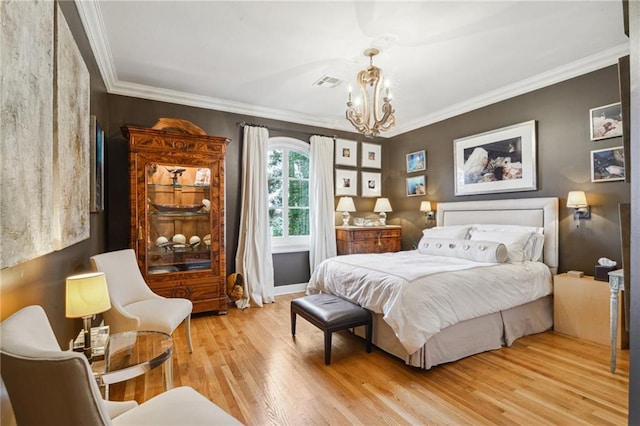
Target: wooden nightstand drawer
581, 309
378, 239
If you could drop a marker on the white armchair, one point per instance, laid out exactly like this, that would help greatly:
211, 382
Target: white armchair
133, 305
49, 386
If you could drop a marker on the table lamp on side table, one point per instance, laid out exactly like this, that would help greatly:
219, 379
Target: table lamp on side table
345, 205
382, 207
87, 295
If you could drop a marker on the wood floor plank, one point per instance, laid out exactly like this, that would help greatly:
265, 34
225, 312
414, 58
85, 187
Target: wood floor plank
248, 363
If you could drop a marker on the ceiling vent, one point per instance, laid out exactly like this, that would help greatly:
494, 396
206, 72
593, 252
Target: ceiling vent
327, 81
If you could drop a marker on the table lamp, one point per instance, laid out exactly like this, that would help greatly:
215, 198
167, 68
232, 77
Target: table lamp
382, 206
87, 295
345, 205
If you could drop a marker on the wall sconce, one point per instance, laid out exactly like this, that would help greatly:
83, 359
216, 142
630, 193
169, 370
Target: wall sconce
345, 205
382, 206
577, 200
425, 206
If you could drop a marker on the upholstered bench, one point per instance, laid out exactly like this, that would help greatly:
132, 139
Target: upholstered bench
331, 313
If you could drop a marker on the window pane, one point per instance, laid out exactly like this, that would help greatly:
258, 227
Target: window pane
298, 193
275, 192
274, 163
298, 222
275, 222
298, 165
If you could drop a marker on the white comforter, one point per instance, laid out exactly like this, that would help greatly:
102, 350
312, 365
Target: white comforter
419, 295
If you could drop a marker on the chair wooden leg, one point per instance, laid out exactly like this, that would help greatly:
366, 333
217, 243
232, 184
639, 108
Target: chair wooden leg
187, 329
293, 322
327, 347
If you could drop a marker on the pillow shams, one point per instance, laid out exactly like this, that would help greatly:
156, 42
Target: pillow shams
532, 248
456, 232
478, 251
514, 241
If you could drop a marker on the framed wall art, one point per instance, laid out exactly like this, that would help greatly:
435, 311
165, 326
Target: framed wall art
97, 166
416, 185
502, 160
607, 165
346, 182
416, 161
371, 156
346, 152
606, 121
371, 184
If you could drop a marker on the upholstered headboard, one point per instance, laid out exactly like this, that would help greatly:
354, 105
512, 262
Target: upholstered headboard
541, 212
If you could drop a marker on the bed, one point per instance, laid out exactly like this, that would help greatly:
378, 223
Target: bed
431, 308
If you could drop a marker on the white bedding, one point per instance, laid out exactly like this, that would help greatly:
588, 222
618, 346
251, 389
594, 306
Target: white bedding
419, 295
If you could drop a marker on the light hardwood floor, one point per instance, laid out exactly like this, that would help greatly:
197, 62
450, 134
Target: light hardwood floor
248, 363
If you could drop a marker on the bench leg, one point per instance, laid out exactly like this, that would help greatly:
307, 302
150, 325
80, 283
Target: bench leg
369, 331
293, 322
327, 347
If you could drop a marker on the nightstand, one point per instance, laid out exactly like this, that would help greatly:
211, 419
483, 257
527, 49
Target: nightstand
368, 239
581, 309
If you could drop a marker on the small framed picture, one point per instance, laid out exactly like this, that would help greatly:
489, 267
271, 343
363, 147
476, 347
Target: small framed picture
371, 184
97, 166
371, 156
416, 186
416, 161
606, 121
346, 152
346, 182
607, 165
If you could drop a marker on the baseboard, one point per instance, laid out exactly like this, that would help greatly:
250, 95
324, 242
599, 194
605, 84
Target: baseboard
289, 288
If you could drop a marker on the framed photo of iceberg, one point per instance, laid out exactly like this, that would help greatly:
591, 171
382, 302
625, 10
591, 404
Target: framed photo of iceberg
606, 121
502, 160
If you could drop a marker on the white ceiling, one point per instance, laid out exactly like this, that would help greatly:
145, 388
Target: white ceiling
262, 58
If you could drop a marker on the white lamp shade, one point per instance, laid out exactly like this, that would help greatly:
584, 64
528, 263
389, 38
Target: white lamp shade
577, 199
382, 205
346, 205
87, 294
425, 206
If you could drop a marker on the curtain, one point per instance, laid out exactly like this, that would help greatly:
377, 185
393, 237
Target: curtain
253, 258
321, 211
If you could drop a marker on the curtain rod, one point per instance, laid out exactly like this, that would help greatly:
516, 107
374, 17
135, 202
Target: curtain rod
278, 129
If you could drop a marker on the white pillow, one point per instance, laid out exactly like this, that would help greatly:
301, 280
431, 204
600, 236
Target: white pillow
514, 241
533, 248
478, 251
456, 232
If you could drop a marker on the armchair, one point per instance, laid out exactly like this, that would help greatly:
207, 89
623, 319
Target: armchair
49, 386
133, 305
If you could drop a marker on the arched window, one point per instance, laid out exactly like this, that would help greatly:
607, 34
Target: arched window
288, 174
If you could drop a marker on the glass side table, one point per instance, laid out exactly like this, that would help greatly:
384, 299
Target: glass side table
132, 353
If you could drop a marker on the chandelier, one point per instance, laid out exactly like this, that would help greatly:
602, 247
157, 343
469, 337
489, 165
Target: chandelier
366, 114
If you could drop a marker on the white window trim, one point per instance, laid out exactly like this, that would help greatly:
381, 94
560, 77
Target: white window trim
296, 243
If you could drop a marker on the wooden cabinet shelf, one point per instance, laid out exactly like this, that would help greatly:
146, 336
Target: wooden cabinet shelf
368, 239
176, 177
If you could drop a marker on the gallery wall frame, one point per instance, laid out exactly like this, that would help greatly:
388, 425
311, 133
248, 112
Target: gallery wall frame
607, 165
416, 186
606, 121
416, 161
371, 156
501, 160
97, 166
346, 182
346, 152
371, 184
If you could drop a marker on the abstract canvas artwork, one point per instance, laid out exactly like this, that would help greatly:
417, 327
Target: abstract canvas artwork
26, 129
71, 154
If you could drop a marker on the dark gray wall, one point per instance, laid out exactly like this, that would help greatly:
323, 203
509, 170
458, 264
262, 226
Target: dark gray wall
563, 163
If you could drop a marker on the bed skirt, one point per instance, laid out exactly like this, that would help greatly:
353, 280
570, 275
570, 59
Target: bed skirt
468, 337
